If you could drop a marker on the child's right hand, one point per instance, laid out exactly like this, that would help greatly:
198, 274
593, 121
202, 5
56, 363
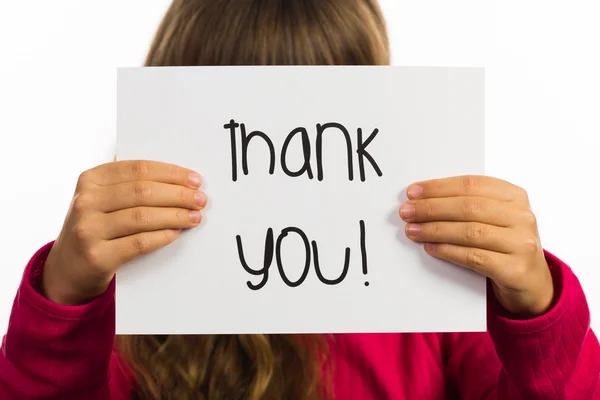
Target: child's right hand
120, 210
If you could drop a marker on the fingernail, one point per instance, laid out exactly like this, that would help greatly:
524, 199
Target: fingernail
195, 179
200, 198
407, 211
413, 229
429, 246
195, 216
178, 231
415, 191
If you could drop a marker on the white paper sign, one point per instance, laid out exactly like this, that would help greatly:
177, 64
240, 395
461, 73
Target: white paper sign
313, 162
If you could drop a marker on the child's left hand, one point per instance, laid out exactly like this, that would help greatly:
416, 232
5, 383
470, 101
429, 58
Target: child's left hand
484, 224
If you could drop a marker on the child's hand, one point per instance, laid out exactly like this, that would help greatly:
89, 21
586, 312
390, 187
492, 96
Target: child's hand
120, 210
484, 224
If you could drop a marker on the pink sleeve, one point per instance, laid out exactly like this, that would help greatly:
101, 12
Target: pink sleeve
553, 357
59, 352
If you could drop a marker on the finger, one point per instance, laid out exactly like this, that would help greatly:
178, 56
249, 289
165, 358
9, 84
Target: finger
146, 219
464, 208
127, 248
472, 234
142, 170
148, 194
485, 262
479, 186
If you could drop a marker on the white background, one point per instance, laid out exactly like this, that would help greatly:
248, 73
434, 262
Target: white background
58, 107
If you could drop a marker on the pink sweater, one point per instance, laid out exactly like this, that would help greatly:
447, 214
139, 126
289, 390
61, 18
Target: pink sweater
56, 352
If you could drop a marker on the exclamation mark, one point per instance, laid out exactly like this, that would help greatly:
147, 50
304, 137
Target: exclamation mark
363, 250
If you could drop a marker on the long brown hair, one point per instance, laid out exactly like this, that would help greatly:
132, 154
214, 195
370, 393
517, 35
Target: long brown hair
251, 32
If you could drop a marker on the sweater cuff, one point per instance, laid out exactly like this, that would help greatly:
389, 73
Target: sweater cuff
29, 292
569, 298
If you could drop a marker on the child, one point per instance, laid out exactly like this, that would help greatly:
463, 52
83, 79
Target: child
60, 340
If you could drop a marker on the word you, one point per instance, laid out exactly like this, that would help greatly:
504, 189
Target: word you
273, 248
301, 132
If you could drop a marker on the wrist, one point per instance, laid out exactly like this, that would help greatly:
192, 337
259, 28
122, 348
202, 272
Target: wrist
59, 287
532, 303
542, 295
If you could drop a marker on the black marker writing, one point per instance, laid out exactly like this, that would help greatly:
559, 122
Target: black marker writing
284, 277
363, 249
246, 141
268, 259
326, 281
272, 247
320, 130
305, 150
306, 168
232, 126
362, 153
